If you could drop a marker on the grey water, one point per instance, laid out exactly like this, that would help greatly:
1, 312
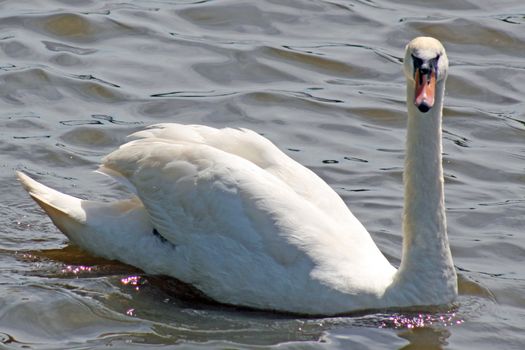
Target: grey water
322, 79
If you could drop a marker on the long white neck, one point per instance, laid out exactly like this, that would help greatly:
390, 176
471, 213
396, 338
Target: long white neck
427, 274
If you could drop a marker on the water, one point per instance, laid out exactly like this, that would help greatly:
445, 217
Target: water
322, 79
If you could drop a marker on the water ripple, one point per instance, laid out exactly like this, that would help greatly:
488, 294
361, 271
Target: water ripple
323, 80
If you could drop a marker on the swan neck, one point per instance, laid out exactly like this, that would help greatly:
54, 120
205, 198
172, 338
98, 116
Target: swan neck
424, 206
426, 264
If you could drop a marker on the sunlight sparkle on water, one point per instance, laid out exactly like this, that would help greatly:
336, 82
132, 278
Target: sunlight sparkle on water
421, 320
77, 269
130, 312
134, 281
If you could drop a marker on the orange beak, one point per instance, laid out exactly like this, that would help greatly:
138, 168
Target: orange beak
425, 90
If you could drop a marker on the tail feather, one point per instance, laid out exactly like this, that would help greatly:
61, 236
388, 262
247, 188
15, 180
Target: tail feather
65, 211
119, 230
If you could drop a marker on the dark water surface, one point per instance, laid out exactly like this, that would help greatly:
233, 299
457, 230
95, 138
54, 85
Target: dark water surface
323, 80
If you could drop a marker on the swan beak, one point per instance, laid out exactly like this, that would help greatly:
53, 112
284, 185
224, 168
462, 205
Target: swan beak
425, 90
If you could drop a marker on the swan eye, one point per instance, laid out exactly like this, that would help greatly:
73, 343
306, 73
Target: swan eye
418, 62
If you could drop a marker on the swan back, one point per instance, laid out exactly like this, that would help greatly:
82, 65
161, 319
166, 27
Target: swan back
261, 152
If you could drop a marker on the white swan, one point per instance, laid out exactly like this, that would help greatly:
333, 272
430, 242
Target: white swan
227, 212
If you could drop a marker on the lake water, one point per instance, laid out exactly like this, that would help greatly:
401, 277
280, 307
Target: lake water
322, 80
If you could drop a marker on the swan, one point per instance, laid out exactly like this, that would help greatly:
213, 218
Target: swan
227, 212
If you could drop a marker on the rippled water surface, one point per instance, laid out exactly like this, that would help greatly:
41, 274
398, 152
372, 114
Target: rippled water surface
321, 79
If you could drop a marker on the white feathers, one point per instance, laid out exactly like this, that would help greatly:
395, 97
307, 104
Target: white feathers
226, 211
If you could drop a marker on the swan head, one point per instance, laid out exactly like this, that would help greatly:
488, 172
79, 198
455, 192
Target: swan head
425, 66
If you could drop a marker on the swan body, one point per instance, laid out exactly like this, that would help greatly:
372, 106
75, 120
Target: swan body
229, 213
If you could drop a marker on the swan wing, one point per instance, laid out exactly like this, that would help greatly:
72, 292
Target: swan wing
262, 152
192, 189
237, 228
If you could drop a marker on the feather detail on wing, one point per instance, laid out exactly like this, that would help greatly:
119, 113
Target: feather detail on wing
190, 189
260, 151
